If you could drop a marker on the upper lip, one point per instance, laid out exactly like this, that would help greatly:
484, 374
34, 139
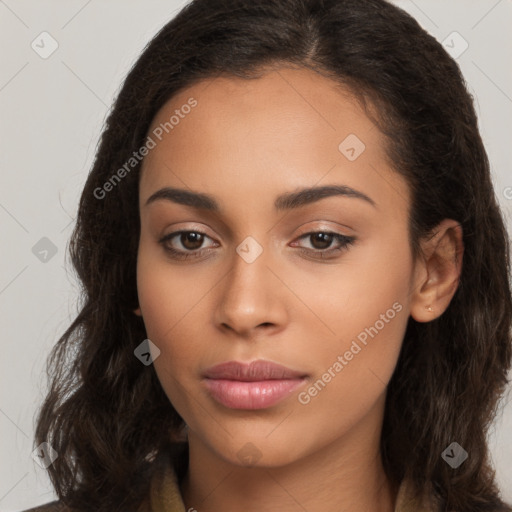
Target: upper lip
250, 372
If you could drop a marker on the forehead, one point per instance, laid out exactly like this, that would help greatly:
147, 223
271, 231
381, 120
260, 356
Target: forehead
283, 103
289, 128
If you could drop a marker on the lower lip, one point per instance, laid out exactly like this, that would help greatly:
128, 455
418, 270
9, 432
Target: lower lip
237, 394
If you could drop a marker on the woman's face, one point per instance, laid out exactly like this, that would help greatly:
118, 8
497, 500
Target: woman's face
254, 281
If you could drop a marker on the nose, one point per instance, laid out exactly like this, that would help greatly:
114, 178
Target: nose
253, 298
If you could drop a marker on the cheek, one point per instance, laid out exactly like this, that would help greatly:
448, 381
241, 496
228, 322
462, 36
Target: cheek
173, 301
342, 299
364, 308
168, 313
167, 293
353, 371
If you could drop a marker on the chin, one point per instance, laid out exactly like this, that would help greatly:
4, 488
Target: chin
258, 451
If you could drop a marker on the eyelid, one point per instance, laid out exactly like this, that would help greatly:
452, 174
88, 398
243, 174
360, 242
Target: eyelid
178, 232
184, 227
325, 228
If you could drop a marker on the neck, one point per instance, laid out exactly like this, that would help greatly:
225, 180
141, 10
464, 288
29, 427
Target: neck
346, 474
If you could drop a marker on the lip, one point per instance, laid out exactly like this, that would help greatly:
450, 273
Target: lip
257, 385
251, 372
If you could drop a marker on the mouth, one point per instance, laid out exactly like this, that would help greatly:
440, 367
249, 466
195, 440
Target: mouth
257, 385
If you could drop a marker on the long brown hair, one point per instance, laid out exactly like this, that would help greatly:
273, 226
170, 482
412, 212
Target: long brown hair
106, 414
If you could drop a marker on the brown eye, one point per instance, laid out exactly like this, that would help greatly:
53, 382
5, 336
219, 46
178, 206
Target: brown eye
321, 240
191, 240
184, 244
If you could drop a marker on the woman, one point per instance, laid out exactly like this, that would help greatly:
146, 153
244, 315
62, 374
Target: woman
295, 275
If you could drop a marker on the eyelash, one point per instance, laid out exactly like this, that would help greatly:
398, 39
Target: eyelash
344, 241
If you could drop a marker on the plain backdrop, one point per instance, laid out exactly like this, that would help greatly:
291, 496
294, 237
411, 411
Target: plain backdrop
52, 112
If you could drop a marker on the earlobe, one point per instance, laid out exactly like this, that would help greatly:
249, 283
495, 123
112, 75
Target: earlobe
438, 273
138, 312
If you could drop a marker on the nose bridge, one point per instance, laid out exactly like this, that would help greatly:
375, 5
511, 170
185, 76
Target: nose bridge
248, 296
249, 274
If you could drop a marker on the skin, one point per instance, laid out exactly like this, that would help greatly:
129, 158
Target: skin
245, 143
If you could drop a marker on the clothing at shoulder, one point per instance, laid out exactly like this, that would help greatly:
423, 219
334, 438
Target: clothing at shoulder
407, 502
165, 496
53, 506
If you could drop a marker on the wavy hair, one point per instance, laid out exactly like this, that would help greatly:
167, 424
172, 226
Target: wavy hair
107, 415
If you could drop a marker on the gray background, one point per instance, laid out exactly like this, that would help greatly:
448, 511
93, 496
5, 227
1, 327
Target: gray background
52, 114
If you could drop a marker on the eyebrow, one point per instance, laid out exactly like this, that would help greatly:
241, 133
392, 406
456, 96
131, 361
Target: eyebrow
286, 201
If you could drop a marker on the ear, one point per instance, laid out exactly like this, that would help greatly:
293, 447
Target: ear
437, 271
138, 312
